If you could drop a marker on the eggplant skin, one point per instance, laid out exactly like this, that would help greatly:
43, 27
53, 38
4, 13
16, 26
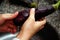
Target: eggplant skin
21, 18
44, 11
39, 13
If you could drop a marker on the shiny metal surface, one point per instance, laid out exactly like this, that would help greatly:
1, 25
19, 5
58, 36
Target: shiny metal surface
7, 36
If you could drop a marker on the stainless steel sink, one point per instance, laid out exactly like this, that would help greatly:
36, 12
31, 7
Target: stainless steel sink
7, 36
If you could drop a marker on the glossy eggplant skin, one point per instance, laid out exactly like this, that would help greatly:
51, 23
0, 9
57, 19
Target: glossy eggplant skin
22, 16
44, 11
39, 13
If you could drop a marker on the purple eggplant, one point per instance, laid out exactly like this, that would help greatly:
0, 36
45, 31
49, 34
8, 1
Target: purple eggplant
39, 13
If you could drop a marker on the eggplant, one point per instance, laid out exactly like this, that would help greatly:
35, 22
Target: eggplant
39, 13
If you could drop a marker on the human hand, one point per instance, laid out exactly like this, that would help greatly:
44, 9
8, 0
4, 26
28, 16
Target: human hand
6, 23
30, 27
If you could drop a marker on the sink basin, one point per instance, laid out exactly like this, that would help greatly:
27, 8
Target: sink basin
7, 36
47, 33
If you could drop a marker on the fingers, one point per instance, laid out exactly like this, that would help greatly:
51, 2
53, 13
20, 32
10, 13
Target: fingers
3, 29
11, 26
32, 14
40, 23
2, 22
8, 27
31, 20
9, 16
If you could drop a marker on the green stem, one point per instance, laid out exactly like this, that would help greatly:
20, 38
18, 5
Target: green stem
34, 4
57, 5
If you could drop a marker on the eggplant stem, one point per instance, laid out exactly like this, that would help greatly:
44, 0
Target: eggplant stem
57, 5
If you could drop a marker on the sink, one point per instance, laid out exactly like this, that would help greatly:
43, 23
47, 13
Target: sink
47, 33
7, 36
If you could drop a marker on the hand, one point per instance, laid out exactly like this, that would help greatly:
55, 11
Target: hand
6, 23
30, 27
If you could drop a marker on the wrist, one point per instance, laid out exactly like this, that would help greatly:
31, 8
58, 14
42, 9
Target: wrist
22, 36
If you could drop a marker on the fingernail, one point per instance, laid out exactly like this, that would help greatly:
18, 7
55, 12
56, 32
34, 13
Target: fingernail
33, 9
16, 12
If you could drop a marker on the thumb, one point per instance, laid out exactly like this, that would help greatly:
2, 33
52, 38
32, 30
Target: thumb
39, 24
32, 14
31, 20
9, 16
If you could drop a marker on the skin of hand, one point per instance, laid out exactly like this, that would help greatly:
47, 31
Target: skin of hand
30, 27
6, 23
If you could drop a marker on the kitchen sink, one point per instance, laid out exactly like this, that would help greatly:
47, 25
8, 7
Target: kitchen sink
7, 36
47, 33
